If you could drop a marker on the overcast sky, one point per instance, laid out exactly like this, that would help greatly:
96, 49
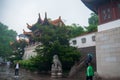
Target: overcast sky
16, 13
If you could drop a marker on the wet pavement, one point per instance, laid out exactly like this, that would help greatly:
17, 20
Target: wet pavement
8, 74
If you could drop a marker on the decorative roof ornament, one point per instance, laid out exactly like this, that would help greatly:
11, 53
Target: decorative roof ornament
45, 22
23, 31
28, 26
39, 19
59, 17
46, 15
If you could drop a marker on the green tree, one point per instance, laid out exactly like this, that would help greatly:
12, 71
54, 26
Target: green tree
93, 20
55, 40
93, 23
18, 50
75, 30
6, 36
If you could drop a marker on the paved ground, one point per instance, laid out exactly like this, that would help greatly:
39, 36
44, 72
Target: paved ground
8, 74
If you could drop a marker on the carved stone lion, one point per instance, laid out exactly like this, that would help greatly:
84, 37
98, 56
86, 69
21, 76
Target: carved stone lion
56, 64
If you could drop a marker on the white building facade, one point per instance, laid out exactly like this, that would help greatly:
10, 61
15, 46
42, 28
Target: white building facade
107, 37
83, 41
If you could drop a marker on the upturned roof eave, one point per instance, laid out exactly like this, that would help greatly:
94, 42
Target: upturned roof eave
94, 4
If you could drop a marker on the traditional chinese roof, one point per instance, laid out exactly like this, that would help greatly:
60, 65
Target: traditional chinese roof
39, 21
57, 22
27, 33
94, 4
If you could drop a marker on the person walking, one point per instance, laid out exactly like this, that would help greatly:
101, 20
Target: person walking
8, 66
17, 69
90, 72
88, 59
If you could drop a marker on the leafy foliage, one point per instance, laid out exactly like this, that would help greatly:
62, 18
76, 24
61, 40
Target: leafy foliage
55, 40
18, 50
93, 23
93, 20
6, 36
75, 30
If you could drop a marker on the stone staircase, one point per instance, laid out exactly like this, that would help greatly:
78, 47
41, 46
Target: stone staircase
78, 71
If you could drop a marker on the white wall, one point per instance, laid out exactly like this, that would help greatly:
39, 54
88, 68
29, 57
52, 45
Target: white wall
108, 53
29, 52
89, 42
109, 25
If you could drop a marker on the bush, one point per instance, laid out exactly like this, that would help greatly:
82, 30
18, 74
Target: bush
68, 56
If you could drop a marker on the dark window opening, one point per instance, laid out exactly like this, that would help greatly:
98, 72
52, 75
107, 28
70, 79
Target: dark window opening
83, 40
74, 42
93, 38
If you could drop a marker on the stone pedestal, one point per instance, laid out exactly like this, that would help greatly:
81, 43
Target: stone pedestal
53, 75
56, 74
108, 53
59, 74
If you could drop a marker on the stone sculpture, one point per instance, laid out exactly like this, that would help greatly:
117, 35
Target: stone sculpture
56, 69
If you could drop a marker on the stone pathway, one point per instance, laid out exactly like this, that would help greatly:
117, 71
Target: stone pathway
8, 74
